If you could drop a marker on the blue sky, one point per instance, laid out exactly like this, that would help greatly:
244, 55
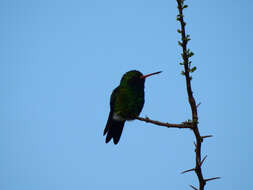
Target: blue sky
60, 61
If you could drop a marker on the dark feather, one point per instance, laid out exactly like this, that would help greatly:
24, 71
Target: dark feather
113, 129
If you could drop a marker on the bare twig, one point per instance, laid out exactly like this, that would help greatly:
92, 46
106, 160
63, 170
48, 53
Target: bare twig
186, 171
184, 125
193, 187
207, 136
203, 160
213, 178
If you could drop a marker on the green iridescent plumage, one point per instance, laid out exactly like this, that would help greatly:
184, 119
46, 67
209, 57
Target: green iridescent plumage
129, 96
126, 103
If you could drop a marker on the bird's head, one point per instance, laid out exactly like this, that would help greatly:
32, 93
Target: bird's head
135, 78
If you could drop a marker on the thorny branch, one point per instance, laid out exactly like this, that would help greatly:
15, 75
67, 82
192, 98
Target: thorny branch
186, 55
193, 124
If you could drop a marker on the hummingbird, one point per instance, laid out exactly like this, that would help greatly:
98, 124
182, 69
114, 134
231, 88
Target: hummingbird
126, 103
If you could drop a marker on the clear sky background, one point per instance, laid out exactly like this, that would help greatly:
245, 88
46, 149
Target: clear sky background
60, 61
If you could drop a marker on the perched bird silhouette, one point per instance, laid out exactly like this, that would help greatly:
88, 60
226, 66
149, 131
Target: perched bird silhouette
126, 103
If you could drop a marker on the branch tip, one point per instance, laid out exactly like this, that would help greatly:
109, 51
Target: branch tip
198, 104
193, 187
213, 178
186, 171
206, 136
203, 160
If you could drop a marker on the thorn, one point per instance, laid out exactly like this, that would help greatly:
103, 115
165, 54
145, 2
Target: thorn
207, 136
203, 160
188, 171
198, 104
213, 178
193, 187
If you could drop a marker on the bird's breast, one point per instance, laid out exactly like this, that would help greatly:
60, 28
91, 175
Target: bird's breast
129, 104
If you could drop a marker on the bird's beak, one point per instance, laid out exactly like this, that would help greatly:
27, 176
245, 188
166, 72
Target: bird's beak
148, 75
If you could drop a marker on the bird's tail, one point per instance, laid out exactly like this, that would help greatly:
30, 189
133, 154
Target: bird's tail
113, 129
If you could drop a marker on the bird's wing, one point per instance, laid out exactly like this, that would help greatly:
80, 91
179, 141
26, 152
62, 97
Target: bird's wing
113, 98
112, 103
113, 127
